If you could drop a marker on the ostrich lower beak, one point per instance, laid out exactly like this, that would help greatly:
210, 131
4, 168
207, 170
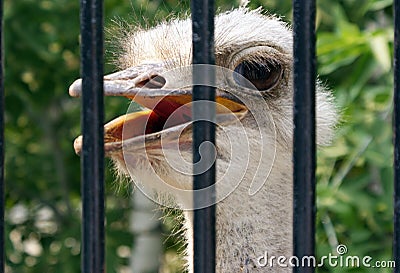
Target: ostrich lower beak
167, 111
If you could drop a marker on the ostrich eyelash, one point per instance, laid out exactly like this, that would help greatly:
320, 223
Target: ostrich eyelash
259, 75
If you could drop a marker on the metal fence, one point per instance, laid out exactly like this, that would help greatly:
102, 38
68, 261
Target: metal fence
304, 135
203, 130
304, 207
396, 131
92, 158
2, 243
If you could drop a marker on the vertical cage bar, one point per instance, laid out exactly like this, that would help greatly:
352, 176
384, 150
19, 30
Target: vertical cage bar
396, 129
203, 132
304, 208
92, 158
2, 203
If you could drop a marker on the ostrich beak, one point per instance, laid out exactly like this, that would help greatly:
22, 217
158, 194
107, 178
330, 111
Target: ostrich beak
167, 109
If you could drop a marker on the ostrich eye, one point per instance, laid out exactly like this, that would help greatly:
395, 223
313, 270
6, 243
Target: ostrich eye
263, 75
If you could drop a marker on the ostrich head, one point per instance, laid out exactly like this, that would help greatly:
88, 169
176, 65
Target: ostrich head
253, 55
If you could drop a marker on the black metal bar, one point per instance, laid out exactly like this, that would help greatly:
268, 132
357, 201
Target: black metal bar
203, 131
396, 140
304, 208
92, 158
2, 140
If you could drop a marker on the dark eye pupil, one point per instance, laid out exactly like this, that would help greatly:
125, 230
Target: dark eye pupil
261, 75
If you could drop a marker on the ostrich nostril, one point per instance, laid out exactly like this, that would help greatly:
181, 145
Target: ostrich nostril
153, 82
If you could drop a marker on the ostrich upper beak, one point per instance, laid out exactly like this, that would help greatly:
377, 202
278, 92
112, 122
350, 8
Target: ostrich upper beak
168, 108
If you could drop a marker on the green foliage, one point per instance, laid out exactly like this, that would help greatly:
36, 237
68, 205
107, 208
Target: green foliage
42, 171
354, 200
355, 174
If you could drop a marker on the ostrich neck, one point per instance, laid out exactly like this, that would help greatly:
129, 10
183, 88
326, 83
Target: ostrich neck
248, 226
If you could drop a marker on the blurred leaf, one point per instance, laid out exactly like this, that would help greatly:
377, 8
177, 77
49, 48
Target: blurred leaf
380, 48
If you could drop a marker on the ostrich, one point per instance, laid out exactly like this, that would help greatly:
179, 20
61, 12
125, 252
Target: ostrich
253, 52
